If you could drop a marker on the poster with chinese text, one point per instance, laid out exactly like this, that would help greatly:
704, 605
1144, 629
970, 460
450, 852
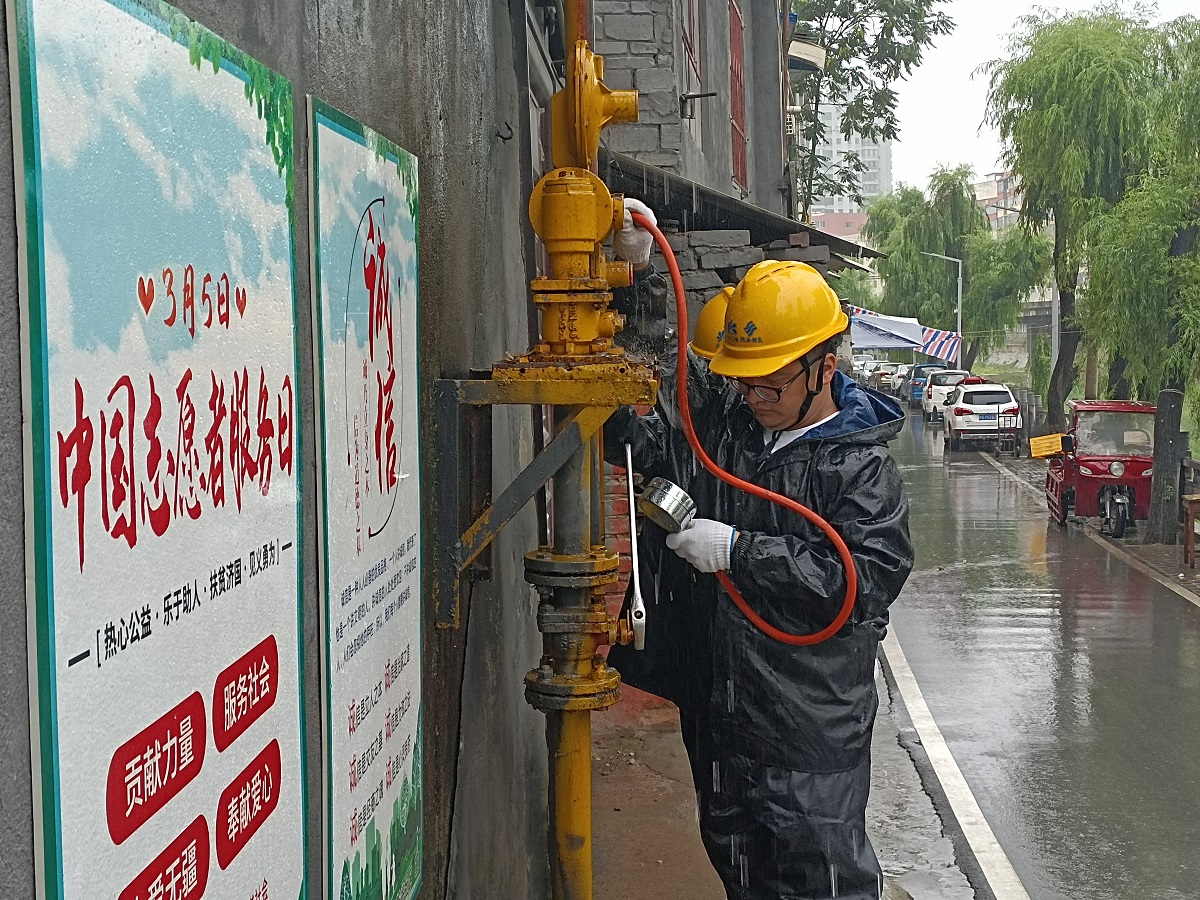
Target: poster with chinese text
364, 191
160, 341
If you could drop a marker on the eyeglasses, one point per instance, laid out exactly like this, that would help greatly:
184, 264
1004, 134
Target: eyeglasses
764, 391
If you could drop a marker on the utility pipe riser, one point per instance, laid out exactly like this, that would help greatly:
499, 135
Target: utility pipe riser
569, 740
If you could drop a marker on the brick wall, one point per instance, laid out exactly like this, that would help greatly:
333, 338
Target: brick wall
637, 39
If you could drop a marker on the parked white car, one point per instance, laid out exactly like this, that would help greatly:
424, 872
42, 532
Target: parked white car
939, 388
897, 377
859, 367
977, 410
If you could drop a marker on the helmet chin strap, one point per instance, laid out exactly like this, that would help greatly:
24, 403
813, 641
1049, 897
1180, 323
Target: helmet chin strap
808, 401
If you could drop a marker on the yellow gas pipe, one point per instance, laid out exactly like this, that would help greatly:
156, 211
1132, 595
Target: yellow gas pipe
572, 211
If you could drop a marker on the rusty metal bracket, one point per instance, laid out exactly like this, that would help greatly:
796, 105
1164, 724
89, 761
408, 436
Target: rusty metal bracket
533, 382
451, 444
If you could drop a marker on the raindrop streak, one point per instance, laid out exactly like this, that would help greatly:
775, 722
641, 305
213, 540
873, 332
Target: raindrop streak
729, 685
746, 872
833, 880
717, 779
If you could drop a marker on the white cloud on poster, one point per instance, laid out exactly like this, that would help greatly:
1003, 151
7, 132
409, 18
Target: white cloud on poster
64, 131
100, 38
60, 333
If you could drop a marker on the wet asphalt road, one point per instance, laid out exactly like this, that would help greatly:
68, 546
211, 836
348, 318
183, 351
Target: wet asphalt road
1066, 683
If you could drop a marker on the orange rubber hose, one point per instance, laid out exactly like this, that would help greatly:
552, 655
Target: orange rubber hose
686, 415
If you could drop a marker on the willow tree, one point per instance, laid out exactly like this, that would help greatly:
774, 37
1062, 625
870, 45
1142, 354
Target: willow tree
1005, 269
998, 271
1073, 107
1143, 296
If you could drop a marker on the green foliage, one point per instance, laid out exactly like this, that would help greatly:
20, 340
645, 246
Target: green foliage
870, 45
1143, 296
998, 272
1143, 299
1073, 105
888, 212
1039, 365
857, 288
266, 90
1004, 270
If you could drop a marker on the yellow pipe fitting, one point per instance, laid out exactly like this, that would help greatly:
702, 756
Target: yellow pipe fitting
583, 108
617, 273
571, 210
575, 324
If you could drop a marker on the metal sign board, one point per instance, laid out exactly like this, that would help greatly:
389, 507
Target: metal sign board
154, 161
364, 240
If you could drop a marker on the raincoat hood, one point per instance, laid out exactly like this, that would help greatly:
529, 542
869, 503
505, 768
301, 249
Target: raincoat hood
865, 416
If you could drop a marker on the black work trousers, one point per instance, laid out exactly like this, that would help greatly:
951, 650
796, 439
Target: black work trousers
776, 834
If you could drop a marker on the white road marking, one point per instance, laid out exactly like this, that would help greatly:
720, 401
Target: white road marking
1120, 553
993, 861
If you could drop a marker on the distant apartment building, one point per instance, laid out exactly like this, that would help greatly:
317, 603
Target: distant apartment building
875, 155
848, 225
999, 196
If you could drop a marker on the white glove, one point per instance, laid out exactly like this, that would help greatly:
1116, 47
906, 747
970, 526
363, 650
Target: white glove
705, 544
632, 242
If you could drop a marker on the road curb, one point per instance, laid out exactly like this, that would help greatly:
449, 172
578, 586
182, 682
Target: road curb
977, 851
1119, 552
910, 742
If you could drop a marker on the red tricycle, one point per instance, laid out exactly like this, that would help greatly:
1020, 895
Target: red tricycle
1104, 465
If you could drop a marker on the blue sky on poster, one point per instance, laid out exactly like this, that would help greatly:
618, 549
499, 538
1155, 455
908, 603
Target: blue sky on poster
941, 105
185, 177
346, 188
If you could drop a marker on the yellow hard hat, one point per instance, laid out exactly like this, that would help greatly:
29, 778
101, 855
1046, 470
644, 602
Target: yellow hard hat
777, 313
710, 325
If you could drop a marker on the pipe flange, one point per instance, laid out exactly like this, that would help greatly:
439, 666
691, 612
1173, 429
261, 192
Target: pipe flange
572, 621
544, 561
545, 568
547, 691
571, 581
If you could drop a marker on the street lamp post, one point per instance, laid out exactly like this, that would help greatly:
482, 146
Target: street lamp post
958, 353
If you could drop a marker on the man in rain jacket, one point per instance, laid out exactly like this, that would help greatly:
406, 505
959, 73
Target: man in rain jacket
782, 765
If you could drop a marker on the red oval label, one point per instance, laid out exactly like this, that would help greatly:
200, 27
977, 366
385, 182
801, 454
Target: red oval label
246, 803
153, 766
244, 691
180, 871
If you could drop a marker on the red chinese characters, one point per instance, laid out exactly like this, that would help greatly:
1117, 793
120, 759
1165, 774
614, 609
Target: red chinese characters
176, 459
246, 803
244, 691
153, 766
214, 298
377, 277
178, 873
75, 453
117, 478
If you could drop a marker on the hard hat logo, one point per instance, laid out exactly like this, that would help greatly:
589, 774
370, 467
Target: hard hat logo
750, 329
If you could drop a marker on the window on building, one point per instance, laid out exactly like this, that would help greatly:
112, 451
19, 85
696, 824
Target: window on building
691, 33
737, 95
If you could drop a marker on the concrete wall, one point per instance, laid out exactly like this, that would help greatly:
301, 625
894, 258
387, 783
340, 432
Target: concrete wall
439, 79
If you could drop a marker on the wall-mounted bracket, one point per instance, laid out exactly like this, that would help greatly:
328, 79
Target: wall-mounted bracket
452, 399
